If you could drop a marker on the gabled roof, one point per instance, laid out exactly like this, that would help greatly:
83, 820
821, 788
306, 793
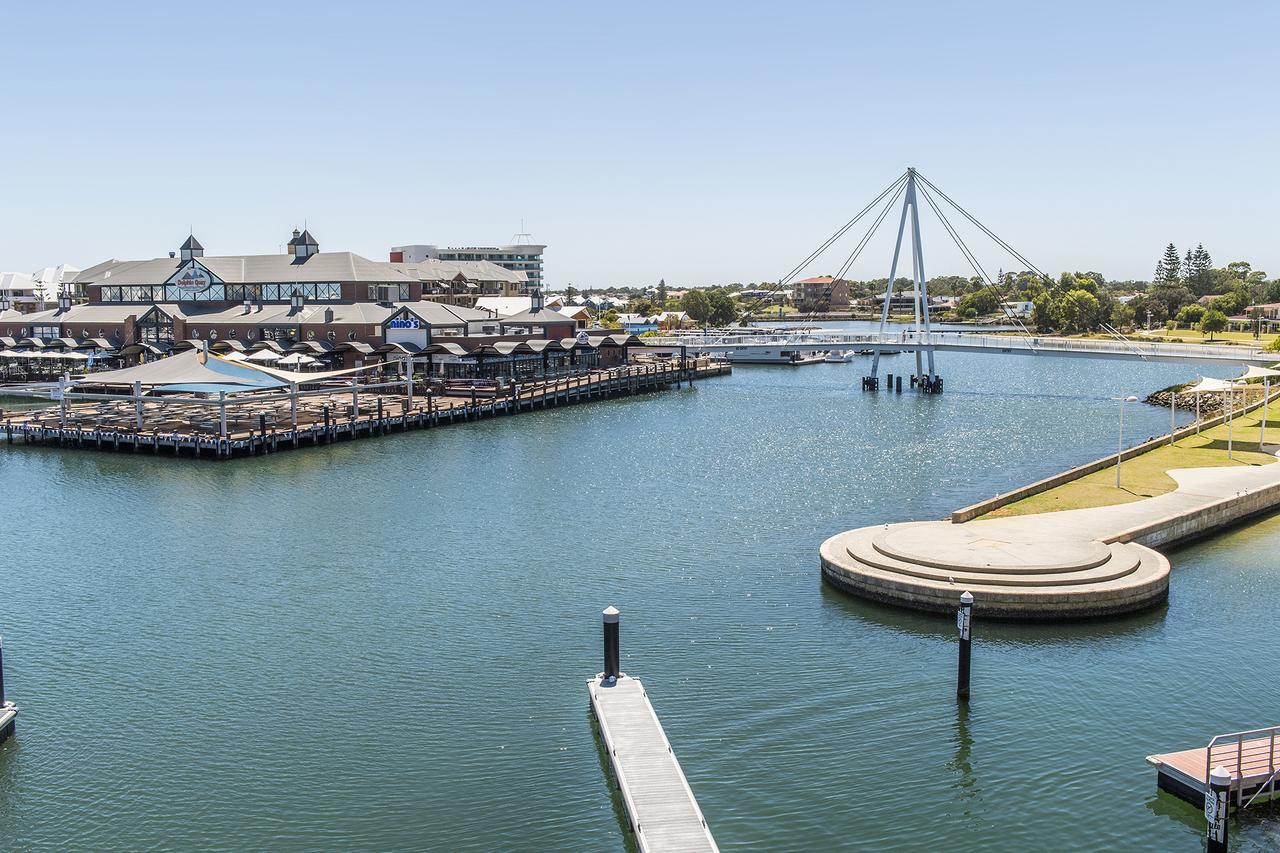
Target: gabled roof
192, 243
250, 269
543, 317
306, 239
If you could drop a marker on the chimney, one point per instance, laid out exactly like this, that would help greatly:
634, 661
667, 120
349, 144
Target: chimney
293, 244
328, 315
173, 254
536, 300
248, 306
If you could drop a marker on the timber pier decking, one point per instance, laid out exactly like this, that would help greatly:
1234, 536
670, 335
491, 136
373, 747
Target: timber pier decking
271, 423
660, 805
1251, 758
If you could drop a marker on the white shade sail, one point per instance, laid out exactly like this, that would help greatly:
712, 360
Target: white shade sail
1209, 385
1255, 372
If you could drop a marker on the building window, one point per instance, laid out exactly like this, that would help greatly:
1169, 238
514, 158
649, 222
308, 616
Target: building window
195, 333
331, 335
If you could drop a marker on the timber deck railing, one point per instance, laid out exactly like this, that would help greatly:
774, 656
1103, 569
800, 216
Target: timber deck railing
264, 422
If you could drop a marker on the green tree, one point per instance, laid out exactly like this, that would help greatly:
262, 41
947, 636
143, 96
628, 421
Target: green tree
662, 292
696, 304
1079, 311
643, 306
979, 303
723, 311
1122, 316
1169, 267
1044, 312
1196, 270
569, 292
1171, 297
1240, 269
1233, 301
1214, 321
609, 320
1189, 315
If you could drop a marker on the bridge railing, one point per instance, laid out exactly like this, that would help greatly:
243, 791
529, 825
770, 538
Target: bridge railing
852, 340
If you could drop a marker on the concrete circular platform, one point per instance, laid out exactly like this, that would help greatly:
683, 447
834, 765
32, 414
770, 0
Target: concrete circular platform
1016, 569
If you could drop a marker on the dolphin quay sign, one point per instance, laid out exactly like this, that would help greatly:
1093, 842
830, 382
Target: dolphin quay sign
192, 279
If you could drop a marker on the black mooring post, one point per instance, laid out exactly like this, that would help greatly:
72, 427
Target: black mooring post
1217, 801
889, 383
964, 621
899, 386
381, 426
611, 642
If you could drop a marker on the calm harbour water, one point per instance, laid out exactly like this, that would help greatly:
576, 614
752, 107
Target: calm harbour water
384, 644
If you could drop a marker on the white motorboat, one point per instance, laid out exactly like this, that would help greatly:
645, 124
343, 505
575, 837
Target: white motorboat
772, 356
840, 356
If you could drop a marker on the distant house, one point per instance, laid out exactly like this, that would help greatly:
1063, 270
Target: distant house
1020, 309
638, 324
904, 302
822, 293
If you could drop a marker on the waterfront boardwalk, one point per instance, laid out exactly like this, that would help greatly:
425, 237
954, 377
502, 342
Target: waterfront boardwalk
259, 424
660, 805
1252, 758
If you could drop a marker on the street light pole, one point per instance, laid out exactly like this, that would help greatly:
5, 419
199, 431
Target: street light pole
1120, 437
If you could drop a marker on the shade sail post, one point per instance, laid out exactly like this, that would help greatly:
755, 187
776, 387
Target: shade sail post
137, 401
293, 404
222, 414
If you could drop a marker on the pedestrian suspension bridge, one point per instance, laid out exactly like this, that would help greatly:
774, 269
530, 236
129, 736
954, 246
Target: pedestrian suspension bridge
919, 336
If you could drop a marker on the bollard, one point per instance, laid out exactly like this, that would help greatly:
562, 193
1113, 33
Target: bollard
611, 642
1216, 799
889, 383
898, 389
964, 621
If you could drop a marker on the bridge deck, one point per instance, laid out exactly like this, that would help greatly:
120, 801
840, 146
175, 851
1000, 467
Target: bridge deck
1129, 349
660, 805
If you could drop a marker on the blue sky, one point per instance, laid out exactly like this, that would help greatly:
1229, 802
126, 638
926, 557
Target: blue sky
699, 142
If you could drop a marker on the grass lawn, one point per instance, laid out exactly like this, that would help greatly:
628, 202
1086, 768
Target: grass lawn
1198, 337
1147, 475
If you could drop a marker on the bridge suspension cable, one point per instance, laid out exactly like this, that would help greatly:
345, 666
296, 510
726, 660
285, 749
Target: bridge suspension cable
988, 282
893, 188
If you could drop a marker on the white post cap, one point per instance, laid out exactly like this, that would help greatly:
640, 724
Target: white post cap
611, 614
966, 597
1219, 776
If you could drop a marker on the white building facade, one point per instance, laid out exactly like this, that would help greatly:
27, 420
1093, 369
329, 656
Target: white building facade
521, 257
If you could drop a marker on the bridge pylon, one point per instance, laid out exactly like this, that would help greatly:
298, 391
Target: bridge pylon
929, 382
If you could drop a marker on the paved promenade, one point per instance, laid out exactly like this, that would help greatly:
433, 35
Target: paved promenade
1073, 563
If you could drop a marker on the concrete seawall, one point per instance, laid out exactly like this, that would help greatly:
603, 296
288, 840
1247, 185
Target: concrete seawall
1178, 528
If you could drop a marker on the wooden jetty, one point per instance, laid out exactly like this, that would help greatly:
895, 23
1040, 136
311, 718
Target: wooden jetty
660, 805
1252, 758
268, 422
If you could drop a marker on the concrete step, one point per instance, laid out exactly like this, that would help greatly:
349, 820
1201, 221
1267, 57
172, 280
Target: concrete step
1145, 585
1116, 563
